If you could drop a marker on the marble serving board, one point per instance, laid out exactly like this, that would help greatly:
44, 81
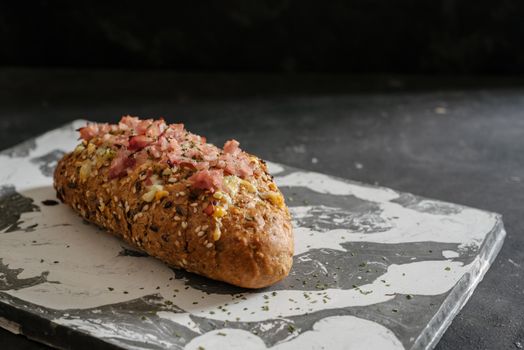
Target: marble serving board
373, 269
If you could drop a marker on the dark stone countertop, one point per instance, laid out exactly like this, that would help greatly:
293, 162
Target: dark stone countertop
458, 140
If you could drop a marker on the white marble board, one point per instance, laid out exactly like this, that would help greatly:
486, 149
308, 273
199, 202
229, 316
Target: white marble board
373, 269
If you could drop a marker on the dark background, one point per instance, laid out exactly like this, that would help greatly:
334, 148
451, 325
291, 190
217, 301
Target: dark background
424, 96
353, 36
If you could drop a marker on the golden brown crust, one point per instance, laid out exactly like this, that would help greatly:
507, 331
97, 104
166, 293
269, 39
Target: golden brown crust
255, 244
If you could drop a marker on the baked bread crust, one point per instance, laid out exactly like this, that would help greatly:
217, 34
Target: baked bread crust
250, 245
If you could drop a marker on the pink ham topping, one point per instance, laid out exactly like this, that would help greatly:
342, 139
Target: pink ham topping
207, 179
137, 141
120, 164
231, 147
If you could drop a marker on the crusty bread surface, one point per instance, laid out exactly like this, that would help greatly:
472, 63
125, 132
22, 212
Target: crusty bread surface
247, 242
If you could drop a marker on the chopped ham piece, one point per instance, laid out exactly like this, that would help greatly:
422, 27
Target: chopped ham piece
175, 131
207, 180
202, 165
142, 126
163, 144
88, 132
128, 123
92, 130
156, 128
155, 151
120, 164
231, 147
238, 165
209, 152
138, 142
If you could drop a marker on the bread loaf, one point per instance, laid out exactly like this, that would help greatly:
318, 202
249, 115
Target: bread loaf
215, 212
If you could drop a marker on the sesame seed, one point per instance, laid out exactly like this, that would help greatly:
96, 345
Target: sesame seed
197, 229
209, 245
146, 207
201, 233
182, 193
177, 218
184, 224
193, 204
205, 227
